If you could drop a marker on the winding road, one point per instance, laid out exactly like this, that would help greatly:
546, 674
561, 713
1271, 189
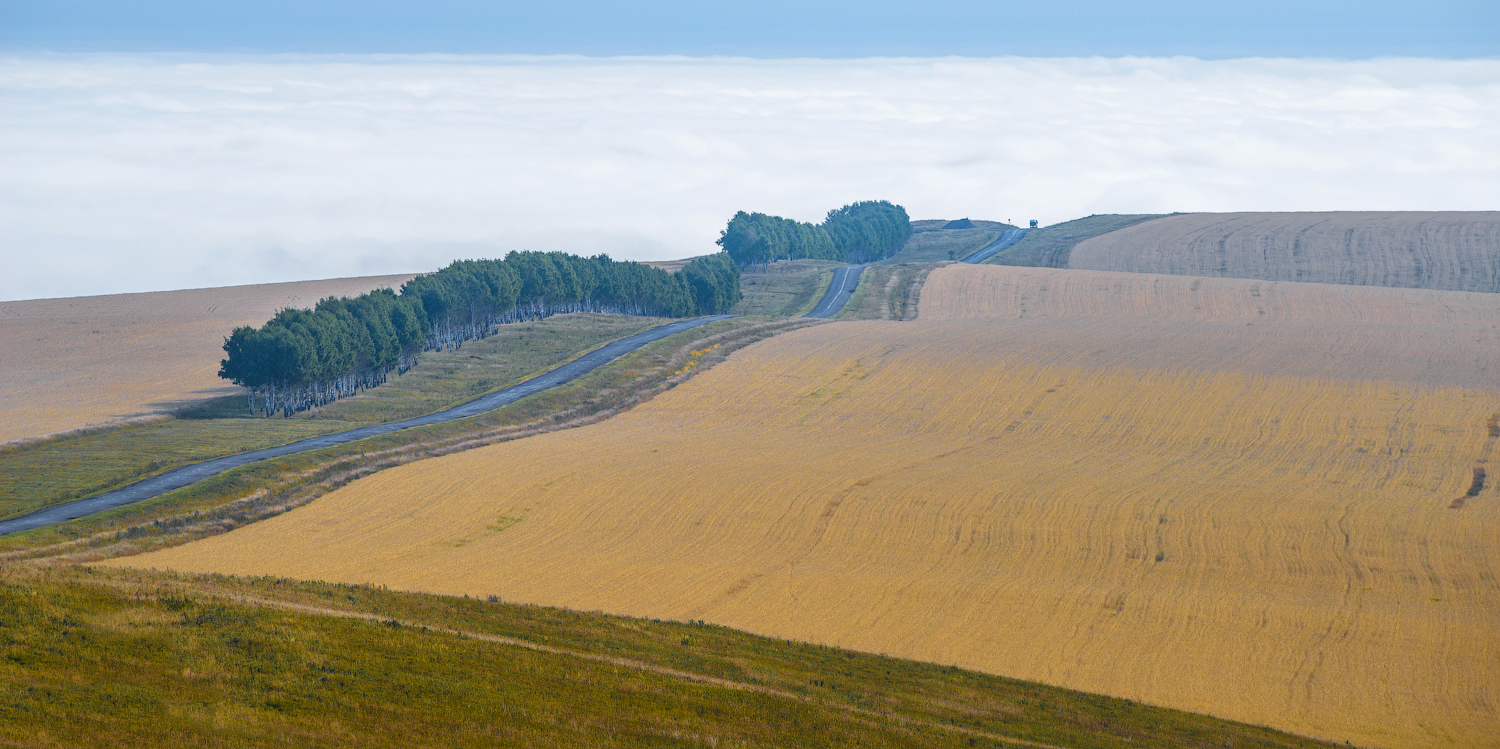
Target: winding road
178, 478
1006, 239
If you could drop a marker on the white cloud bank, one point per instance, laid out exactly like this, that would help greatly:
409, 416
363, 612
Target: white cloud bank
131, 174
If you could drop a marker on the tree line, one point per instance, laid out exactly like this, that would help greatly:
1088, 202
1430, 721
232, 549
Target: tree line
857, 233
301, 359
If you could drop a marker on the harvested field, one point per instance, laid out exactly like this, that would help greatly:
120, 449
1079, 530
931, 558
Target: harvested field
1456, 251
83, 361
1220, 496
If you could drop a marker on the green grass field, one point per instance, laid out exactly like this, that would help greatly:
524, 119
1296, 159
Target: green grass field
137, 658
937, 246
790, 288
1048, 247
37, 475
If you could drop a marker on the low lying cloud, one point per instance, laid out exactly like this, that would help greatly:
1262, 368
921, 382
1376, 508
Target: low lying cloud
140, 173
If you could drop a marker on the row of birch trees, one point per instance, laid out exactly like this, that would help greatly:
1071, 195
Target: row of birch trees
857, 233
302, 359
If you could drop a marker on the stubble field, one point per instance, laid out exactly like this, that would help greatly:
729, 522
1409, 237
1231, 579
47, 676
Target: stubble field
1230, 497
85, 361
1451, 250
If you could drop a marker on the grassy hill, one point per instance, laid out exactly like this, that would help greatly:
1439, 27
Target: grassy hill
126, 659
931, 243
789, 288
1457, 251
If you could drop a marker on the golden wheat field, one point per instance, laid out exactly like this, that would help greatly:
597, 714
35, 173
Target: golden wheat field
1230, 497
1451, 250
81, 361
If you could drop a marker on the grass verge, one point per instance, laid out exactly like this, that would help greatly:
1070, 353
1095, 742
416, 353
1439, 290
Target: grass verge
140, 658
888, 292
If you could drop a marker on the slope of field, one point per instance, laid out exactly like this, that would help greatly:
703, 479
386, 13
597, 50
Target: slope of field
1220, 496
1452, 250
1050, 246
82, 361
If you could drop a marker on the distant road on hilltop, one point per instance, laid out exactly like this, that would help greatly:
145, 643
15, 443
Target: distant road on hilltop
1007, 238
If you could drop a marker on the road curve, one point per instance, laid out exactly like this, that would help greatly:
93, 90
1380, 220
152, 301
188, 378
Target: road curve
1007, 238
187, 475
845, 281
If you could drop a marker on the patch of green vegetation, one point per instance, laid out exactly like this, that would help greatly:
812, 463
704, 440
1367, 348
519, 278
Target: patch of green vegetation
887, 292
937, 246
135, 658
790, 288
1050, 246
38, 475
937, 224
254, 492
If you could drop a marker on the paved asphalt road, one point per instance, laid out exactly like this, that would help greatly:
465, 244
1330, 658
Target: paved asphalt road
189, 474
845, 281
1007, 238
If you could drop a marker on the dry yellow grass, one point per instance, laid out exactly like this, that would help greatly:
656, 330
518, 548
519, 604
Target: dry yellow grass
82, 361
1122, 496
1454, 250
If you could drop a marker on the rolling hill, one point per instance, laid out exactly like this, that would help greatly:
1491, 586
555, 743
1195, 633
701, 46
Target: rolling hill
1224, 496
85, 361
1451, 250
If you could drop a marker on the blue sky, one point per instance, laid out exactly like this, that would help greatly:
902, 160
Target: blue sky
1344, 29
